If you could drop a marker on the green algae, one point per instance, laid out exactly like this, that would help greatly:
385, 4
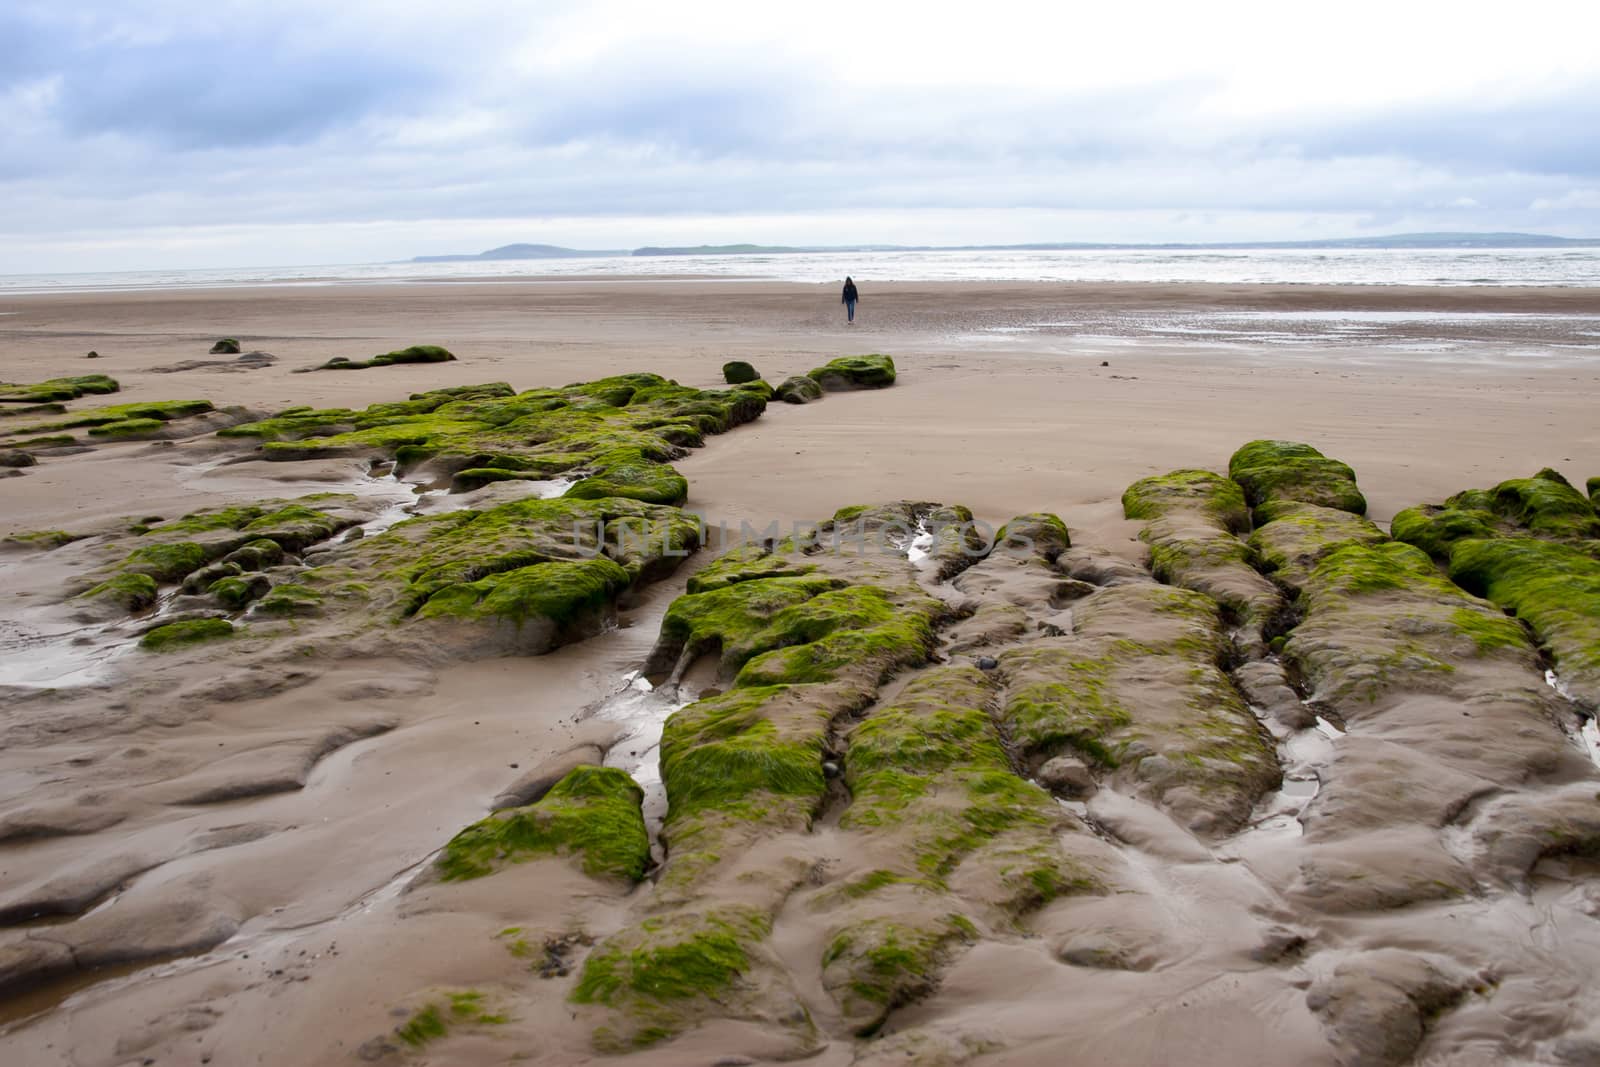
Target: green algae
722, 755
45, 539
1275, 471
411, 354
799, 389
564, 592
855, 372
131, 592
614, 436
290, 599
155, 411
671, 959
167, 562
1528, 545
1294, 536
737, 372
930, 766
434, 1020
235, 592
1544, 505
1554, 588
876, 965
1075, 712
58, 389
184, 634
127, 428
1220, 498
593, 813
1037, 533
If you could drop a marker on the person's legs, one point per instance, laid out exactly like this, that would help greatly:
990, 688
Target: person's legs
850, 310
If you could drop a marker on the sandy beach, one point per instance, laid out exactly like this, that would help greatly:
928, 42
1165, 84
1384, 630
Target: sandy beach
167, 899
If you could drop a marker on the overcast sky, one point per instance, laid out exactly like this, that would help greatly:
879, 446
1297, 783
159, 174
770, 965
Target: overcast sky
150, 134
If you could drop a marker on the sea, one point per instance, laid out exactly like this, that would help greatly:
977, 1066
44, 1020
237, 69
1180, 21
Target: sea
1300, 266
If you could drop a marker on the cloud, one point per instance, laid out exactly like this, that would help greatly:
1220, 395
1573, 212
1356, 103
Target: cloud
154, 115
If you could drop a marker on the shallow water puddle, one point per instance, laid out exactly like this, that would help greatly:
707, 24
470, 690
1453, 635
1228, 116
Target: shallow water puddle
1588, 723
643, 709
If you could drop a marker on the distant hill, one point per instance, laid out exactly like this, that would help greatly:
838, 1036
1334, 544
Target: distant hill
1399, 240
522, 251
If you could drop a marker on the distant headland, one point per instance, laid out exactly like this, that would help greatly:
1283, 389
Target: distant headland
1398, 241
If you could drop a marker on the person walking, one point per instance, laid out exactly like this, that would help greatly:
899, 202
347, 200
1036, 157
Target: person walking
849, 301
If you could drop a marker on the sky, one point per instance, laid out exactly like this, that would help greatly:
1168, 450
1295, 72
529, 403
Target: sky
151, 134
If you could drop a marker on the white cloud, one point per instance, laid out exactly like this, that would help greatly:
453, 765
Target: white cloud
382, 129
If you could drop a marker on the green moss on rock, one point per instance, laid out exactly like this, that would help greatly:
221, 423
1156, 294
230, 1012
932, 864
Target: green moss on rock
227, 346
131, 592
127, 428
142, 413
593, 813
1275, 471
799, 389
411, 354
855, 372
737, 372
655, 967
176, 635
563, 592
875, 965
58, 389
1181, 490
1554, 588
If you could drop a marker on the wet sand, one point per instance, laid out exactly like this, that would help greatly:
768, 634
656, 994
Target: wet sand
322, 941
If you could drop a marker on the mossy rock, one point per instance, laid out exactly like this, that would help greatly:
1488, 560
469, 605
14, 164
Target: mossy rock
615, 435
1592, 487
227, 346
1547, 505
1554, 588
1139, 694
130, 592
16, 458
45, 539
799, 389
593, 813
656, 971
201, 580
235, 592
1038, 533
57, 389
565, 593
12, 411
167, 562
737, 371
290, 600
184, 634
855, 372
411, 354
1281, 471
1294, 537
128, 428
1193, 518
876, 965
1202, 490
143, 414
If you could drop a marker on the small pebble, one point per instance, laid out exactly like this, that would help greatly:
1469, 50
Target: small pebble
987, 663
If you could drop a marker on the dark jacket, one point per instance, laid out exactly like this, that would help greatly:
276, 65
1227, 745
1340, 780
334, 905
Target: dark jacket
849, 293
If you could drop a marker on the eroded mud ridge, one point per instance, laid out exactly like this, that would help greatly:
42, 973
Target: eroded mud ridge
946, 810
485, 522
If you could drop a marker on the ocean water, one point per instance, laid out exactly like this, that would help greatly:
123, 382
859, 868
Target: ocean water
1456, 266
